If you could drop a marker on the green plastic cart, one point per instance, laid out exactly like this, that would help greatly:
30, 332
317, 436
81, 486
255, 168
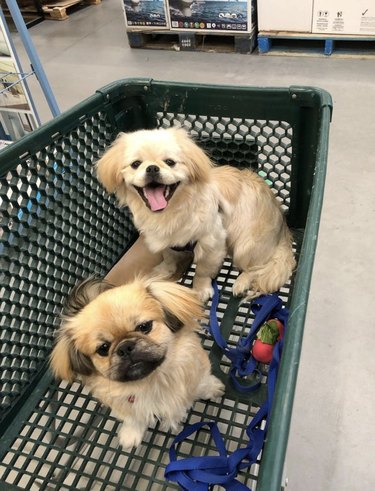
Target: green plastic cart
58, 226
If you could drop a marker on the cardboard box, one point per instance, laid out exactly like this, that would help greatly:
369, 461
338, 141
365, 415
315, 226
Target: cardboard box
138, 261
145, 14
285, 15
212, 15
344, 17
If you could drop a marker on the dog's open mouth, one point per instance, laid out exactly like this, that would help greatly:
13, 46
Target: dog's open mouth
156, 195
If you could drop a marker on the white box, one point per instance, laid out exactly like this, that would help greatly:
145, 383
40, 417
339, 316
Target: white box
285, 15
212, 15
344, 17
145, 14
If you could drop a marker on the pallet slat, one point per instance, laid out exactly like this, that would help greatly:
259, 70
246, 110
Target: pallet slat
58, 10
328, 42
190, 41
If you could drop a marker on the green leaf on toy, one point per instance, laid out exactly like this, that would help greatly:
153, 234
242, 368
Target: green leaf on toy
269, 332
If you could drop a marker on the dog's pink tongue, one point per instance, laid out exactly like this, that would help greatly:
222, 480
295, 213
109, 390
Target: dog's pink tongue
155, 198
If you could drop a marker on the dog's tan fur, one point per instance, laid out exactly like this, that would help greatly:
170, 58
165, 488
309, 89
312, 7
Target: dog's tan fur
170, 389
221, 208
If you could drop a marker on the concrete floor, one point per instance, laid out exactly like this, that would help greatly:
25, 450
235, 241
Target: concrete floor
332, 442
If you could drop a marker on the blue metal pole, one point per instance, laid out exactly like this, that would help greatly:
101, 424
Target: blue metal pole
7, 33
33, 56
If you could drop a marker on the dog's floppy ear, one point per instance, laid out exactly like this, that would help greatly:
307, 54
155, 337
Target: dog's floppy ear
180, 304
196, 160
109, 166
65, 360
82, 294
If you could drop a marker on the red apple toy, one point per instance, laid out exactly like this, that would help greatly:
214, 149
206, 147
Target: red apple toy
268, 335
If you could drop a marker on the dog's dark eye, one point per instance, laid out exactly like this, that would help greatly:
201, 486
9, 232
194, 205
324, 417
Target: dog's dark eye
103, 349
170, 162
145, 327
135, 164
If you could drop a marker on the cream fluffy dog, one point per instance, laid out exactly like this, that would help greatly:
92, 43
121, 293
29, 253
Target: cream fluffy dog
179, 199
136, 349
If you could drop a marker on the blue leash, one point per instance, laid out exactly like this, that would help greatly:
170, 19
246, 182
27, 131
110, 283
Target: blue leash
202, 473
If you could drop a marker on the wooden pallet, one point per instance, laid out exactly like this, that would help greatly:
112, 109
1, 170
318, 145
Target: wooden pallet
58, 10
306, 44
193, 41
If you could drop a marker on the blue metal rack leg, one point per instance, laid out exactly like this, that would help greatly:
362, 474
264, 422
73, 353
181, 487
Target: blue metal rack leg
328, 46
33, 56
7, 33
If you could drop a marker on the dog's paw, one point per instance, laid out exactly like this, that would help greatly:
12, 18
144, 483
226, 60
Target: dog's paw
129, 437
172, 422
241, 285
212, 388
172, 426
206, 294
245, 286
203, 288
250, 295
217, 388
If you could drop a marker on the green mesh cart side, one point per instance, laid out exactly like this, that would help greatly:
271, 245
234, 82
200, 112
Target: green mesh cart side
58, 226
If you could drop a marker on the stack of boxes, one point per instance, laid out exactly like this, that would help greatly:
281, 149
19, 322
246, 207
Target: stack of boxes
206, 16
344, 17
331, 17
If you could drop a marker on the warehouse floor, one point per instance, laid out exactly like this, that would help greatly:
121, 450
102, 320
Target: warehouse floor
332, 443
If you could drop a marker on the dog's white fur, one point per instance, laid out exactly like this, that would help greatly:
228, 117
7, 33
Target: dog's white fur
111, 314
223, 209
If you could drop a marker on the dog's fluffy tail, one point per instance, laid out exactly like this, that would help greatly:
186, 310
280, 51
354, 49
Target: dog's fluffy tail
271, 276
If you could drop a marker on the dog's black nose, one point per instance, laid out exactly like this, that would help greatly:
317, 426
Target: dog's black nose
125, 348
152, 169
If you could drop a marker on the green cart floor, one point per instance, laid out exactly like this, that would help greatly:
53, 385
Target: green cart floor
66, 440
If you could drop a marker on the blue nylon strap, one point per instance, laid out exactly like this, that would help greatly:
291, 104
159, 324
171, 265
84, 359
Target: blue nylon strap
243, 363
214, 325
201, 473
